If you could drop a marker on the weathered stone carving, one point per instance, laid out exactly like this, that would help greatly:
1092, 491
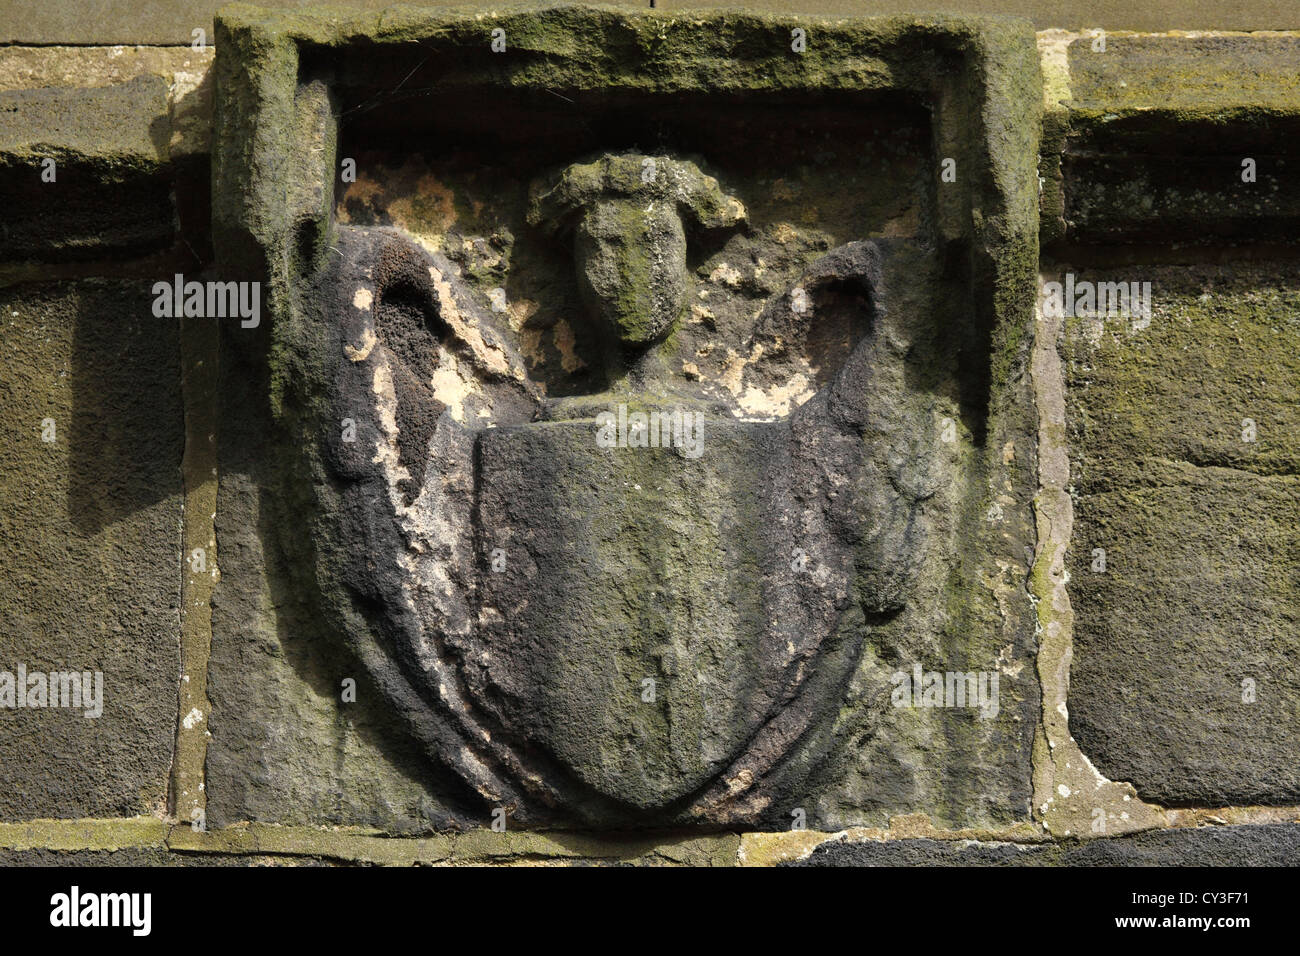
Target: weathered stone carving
629, 239
617, 629
467, 356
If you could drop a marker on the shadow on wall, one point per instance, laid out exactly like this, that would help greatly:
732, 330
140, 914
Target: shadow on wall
128, 422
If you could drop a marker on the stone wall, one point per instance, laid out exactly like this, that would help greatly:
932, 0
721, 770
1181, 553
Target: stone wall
1108, 505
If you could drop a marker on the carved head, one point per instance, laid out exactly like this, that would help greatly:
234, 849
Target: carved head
628, 215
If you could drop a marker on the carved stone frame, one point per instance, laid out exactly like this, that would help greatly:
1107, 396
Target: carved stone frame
275, 148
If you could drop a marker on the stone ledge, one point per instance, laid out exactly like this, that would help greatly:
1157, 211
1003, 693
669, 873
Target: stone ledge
152, 841
123, 132
1145, 137
173, 21
1269, 845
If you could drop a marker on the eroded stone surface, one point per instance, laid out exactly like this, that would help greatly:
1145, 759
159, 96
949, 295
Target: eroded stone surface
110, 193
301, 755
1184, 447
90, 558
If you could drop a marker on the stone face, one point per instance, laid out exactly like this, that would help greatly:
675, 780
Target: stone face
1185, 647
630, 244
90, 563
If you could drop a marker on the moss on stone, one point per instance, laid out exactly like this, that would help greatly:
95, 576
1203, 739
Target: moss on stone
983, 72
93, 834
1157, 129
1197, 522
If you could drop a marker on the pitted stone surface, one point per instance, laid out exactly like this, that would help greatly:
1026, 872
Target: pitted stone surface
1184, 454
90, 563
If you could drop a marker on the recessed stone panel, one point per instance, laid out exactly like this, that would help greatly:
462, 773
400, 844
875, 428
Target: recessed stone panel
639, 414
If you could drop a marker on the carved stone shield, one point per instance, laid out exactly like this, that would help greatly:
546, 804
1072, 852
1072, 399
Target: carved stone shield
628, 625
